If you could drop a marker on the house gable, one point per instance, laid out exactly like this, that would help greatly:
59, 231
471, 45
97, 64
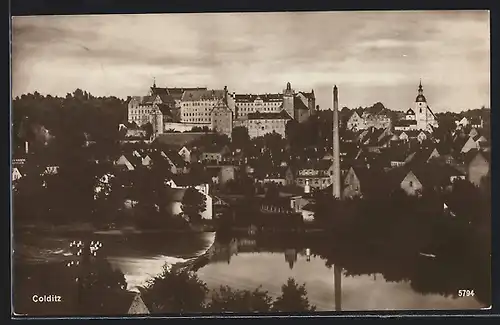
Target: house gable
352, 186
410, 184
138, 307
123, 161
469, 144
16, 174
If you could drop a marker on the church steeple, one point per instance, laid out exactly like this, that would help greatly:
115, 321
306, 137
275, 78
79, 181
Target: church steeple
154, 82
420, 97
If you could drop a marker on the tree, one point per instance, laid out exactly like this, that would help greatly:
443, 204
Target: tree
193, 204
175, 292
148, 127
102, 281
272, 191
293, 298
291, 130
240, 137
230, 300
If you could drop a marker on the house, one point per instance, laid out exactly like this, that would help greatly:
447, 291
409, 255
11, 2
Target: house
214, 154
51, 170
478, 166
423, 155
280, 176
375, 116
437, 176
403, 136
16, 173
395, 157
146, 160
283, 203
423, 135
405, 125
365, 156
177, 164
469, 145
185, 153
473, 132
361, 182
462, 123
317, 175
374, 136
128, 162
477, 122
355, 122
308, 212
404, 179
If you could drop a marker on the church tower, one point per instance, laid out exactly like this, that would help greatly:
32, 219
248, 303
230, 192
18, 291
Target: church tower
288, 100
421, 110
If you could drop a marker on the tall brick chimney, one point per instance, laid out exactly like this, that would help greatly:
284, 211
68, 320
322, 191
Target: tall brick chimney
336, 145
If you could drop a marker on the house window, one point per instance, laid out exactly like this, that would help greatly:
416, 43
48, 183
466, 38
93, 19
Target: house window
411, 184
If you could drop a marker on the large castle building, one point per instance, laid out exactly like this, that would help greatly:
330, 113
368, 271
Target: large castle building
298, 105
219, 110
161, 105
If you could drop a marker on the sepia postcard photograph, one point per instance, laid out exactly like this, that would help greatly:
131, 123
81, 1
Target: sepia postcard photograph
250, 163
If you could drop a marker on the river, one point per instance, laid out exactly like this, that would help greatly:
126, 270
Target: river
241, 263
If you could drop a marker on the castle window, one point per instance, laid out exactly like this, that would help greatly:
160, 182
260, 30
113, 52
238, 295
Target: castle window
420, 109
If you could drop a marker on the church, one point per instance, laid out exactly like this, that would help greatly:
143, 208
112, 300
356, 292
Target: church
420, 117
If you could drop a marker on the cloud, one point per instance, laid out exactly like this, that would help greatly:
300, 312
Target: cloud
381, 54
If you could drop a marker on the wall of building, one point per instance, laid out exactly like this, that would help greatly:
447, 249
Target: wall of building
301, 115
260, 127
222, 121
314, 182
411, 185
183, 127
197, 112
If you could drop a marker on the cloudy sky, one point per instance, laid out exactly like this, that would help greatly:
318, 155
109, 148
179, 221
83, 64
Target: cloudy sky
371, 56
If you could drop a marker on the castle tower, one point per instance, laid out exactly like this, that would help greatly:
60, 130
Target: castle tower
421, 109
336, 145
288, 100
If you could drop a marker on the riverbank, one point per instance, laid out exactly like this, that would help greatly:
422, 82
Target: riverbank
92, 229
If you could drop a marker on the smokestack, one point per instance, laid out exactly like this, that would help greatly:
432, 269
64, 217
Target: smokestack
336, 145
26, 146
337, 280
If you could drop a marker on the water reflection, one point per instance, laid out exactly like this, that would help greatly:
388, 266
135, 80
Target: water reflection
370, 284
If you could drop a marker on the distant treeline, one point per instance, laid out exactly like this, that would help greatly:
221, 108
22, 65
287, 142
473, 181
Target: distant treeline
74, 117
